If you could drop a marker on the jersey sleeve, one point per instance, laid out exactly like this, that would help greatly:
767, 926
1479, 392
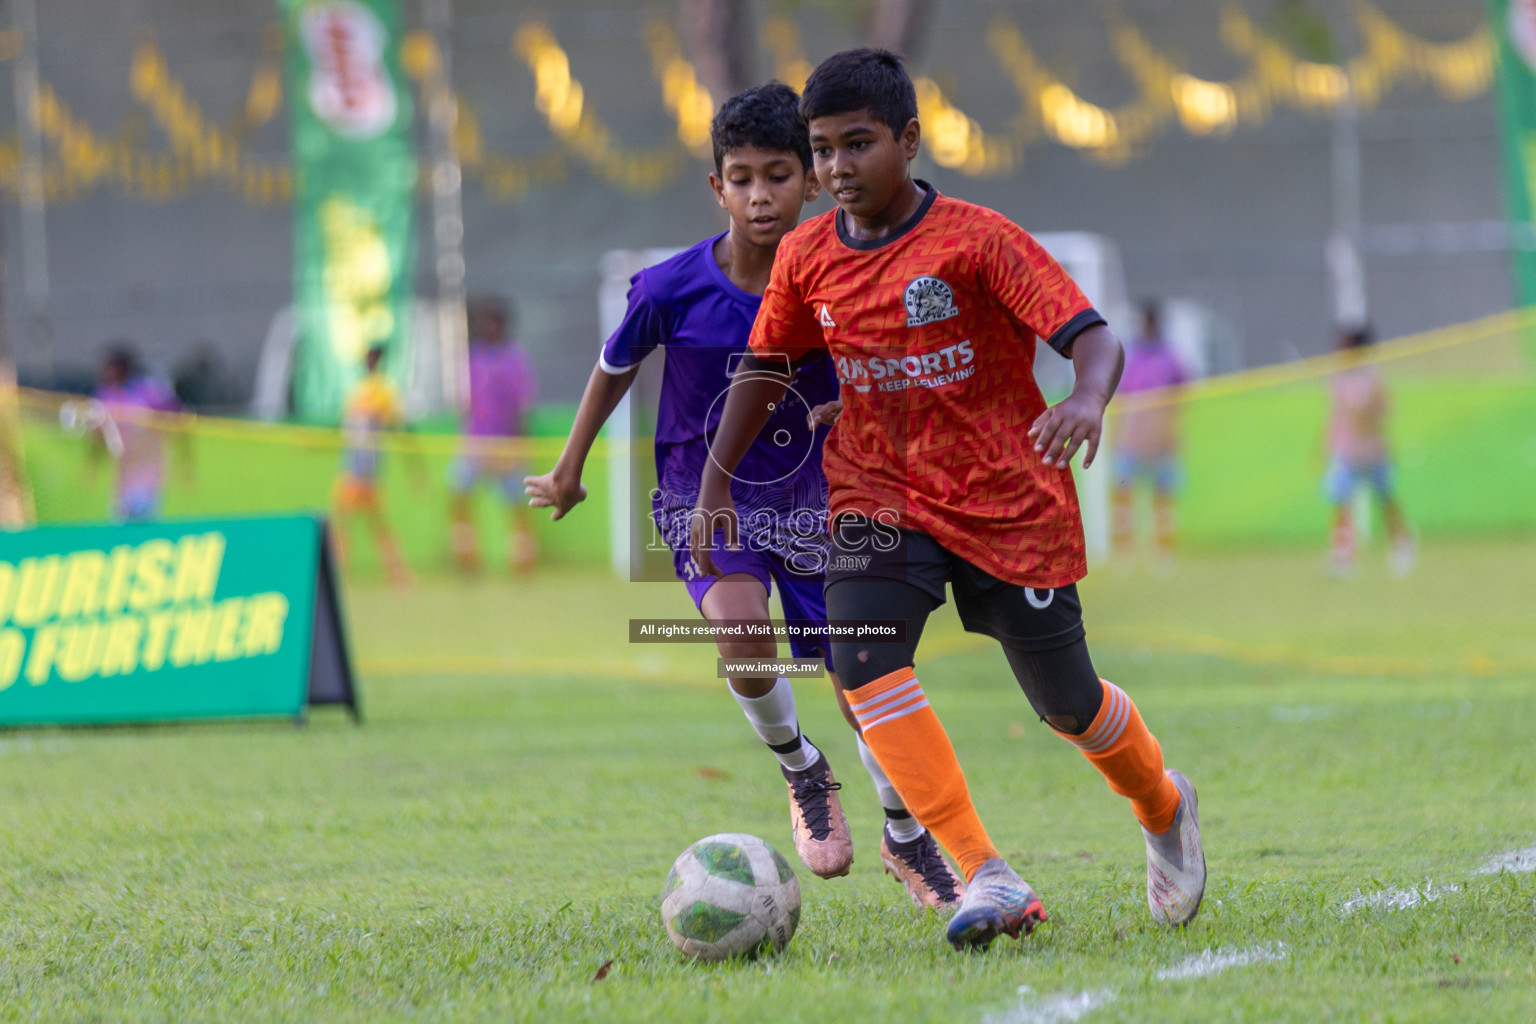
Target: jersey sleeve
643, 329
163, 399
785, 325
1034, 289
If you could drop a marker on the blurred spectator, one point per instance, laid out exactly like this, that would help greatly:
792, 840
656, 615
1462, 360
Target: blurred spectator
203, 382
1357, 453
130, 431
372, 407
503, 386
16, 506
1146, 440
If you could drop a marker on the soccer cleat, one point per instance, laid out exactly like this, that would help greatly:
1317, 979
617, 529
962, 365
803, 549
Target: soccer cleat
816, 815
1176, 861
923, 870
996, 902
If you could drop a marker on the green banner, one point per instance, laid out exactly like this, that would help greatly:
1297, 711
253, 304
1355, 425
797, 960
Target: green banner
151, 621
355, 175
1514, 24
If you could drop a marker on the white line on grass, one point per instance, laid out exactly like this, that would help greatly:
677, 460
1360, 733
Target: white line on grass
1516, 862
1208, 963
1398, 899
1058, 1009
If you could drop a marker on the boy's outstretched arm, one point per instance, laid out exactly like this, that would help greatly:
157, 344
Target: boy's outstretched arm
1078, 419
755, 390
561, 488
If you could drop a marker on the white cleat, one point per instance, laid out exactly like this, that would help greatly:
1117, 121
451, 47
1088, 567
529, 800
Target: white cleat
1176, 861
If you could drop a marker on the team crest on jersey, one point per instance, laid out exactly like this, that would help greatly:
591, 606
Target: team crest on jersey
929, 300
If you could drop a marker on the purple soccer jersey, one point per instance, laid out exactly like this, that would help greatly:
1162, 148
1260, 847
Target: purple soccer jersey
1148, 365
687, 305
502, 388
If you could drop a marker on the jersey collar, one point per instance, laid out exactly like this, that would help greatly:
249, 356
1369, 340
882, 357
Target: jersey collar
865, 244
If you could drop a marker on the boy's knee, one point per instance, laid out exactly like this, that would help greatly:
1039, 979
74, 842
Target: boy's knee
748, 649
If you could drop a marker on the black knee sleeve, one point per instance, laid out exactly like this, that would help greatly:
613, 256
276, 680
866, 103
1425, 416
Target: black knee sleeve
1061, 685
860, 662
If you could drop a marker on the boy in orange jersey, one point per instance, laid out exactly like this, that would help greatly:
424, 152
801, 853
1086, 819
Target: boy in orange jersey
946, 464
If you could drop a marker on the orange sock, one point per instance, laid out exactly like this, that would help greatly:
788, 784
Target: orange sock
914, 750
1126, 753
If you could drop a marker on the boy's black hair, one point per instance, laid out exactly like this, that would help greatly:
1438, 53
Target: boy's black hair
765, 116
862, 79
124, 355
1358, 337
495, 305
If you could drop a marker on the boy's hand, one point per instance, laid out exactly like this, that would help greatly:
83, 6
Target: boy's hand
715, 508
825, 413
1066, 426
555, 490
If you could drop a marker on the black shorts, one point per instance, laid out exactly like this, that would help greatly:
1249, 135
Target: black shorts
1023, 618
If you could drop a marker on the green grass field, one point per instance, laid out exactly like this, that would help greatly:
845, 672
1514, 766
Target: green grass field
501, 824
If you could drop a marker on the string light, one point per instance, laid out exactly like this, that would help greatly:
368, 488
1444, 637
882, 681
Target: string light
81, 159
690, 103
1110, 136
789, 63
952, 138
506, 177
562, 101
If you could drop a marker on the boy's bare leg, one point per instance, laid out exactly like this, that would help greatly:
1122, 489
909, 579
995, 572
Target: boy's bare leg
461, 532
522, 548
815, 812
1341, 552
1124, 507
389, 551
1165, 519
1404, 546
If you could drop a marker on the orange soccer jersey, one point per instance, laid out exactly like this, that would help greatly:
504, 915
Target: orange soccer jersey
932, 329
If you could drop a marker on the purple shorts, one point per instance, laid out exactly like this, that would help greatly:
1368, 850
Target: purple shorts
801, 593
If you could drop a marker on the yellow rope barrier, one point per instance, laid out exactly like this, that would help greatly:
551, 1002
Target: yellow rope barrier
1320, 366
49, 404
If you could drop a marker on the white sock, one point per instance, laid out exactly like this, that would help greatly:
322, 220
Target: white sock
773, 719
903, 827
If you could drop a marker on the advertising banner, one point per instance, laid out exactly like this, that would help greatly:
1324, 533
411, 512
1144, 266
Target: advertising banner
155, 621
1514, 25
355, 176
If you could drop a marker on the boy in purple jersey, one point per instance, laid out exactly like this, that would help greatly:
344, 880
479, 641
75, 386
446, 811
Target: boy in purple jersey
502, 389
701, 305
1146, 440
129, 398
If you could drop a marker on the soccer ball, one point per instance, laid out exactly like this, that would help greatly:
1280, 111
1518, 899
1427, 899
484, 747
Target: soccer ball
730, 895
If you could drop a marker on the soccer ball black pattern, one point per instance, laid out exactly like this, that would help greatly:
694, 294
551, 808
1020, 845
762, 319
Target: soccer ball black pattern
730, 895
